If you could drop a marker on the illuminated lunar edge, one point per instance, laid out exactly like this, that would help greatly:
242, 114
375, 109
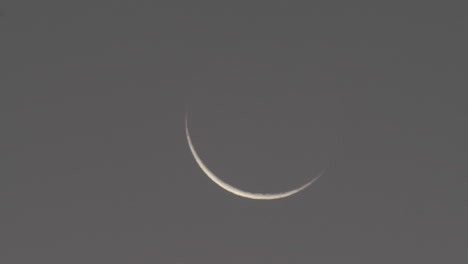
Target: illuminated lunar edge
234, 190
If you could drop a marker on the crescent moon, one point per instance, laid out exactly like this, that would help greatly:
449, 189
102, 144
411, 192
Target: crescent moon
237, 191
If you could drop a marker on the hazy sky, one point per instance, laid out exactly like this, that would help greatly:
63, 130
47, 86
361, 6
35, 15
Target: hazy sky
95, 167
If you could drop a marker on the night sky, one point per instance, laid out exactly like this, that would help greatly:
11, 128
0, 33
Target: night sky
95, 166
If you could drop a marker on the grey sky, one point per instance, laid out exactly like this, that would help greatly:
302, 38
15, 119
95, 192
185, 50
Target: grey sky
95, 167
